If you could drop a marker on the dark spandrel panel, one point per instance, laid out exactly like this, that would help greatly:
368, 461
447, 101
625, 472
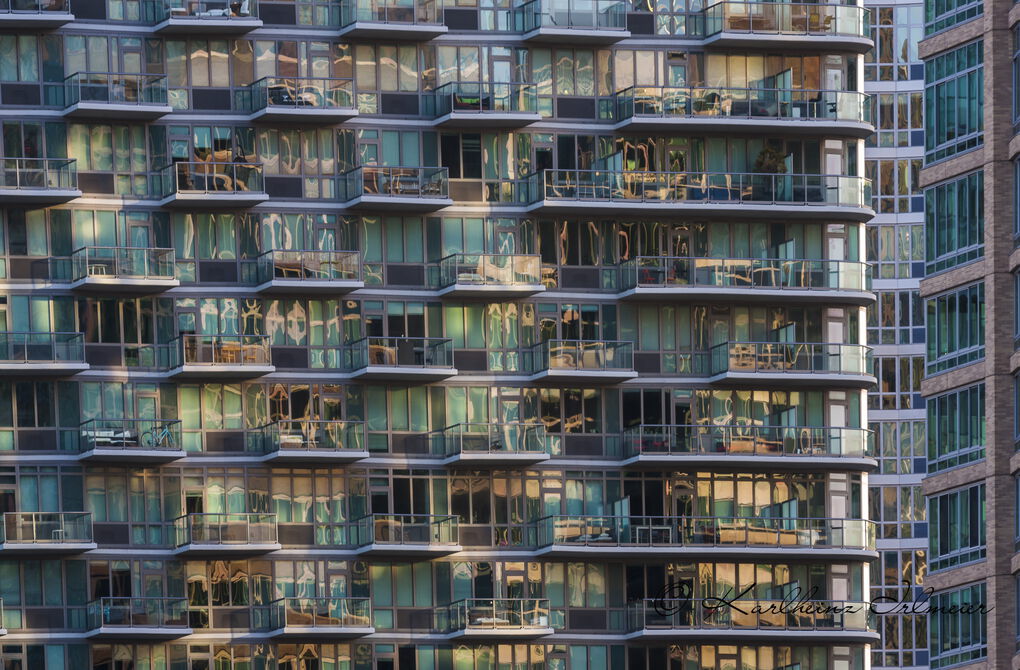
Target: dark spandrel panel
575, 108
476, 536
284, 187
19, 94
217, 271
290, 357
415, 620
399, 103
224, 440
578, 620
28, 268
37, 440
210, 98
103, 354
237, 618
95, 182
460, 18
93, 11
44, 617
296, 534
405, 275
470, 360
647, 363
582, 445
277, 14
466, 191
111, 533
641, 24
404, 443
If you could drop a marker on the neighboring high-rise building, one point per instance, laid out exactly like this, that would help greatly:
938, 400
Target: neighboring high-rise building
399, 334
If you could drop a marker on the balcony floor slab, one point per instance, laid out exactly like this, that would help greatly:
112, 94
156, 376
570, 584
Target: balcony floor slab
113, 110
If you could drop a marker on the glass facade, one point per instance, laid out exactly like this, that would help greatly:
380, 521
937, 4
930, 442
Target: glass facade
956, 328
954, 222
954, 102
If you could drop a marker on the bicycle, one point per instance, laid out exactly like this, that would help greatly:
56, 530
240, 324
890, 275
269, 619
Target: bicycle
161, 438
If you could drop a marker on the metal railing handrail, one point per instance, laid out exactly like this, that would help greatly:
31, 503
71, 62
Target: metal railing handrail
791, 18
531, 438
720, 439
422, 12
222, 528
596, 15
809, 357
122, 88
481, 97
794, 273
137, 611
41, 6
388, 351
313, 612
42, 347
313, 435
394, 180
579, 355
47, 527
494, 613
156, 262
308, 264
192, 348
38, 173
488, 269
217, 177
126, 433
402, 529
302, 92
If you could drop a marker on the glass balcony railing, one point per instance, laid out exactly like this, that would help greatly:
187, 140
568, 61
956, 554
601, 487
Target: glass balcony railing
472, 97
42, 348
138, 263
309, 435
482, 270
127, 613
225, 529
767, 615
579, 355
670, 102
744, 273
746, 440
239, 350
411, 352
18, 174
395, 182
211, 178
155, 11
34, 6
50, 529
490, 438
406, 529
790, 357
573, 14
622, 187
292, 265
311, 614
787, 18
391, 11
301, 93
115, 88
494, 614
655, 531
127, 434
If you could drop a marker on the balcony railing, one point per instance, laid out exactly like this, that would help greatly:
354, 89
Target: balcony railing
790, 357
494, 614
302, 93
34, 6
395, 182
211, 178
133, 613
570, 531
579, 355
744, 273
129, 434
156, 11
47, 529
402, 352
490, 438
406, 529
225, 529
776, 616
309, 435
606, 15
746, 440
490, 270
115, 88
293, 265
472, 97
787, 18
17, 174
311, 614
42, 348
675, 102
629, 187
138, 263
390, 11
226, 350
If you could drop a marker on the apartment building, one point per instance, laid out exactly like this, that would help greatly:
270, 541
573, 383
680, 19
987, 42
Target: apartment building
405, 334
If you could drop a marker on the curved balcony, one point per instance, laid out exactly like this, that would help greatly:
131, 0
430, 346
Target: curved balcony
709, 194
202, 17
742, 620
395, 189
748, 446
481, 444
224, 534
200, 184
314, 618
592, 22
123, 95
319, 272
788, 280
47, 533
802, 363
489, 275
406, 359
790, 25
45, 14
302, 441
489, 618
220, 356
637, 536
137, 618
42, 354
142, 441
419, 20
472, 104
38, 181
302, 100
406, 535
721, 109
580, 361
136, 270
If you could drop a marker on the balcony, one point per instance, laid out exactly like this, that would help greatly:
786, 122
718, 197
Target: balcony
802, 363
406, 535
483, 444
121, 95
746, 621
419, 20
787, 280
495, 618
44, 14
395, 189
788, 25
709, 194
566, 22
748, 445
224, 534
489, 275
42, 354
140, 441
302, 100
640, 536
47, 533
201, 184
471, 104
580, 361
708, 109
403, 359
220, 356
307, 272
137, 619
121, 270
38, 181
308, 441
314, 618
202, 17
